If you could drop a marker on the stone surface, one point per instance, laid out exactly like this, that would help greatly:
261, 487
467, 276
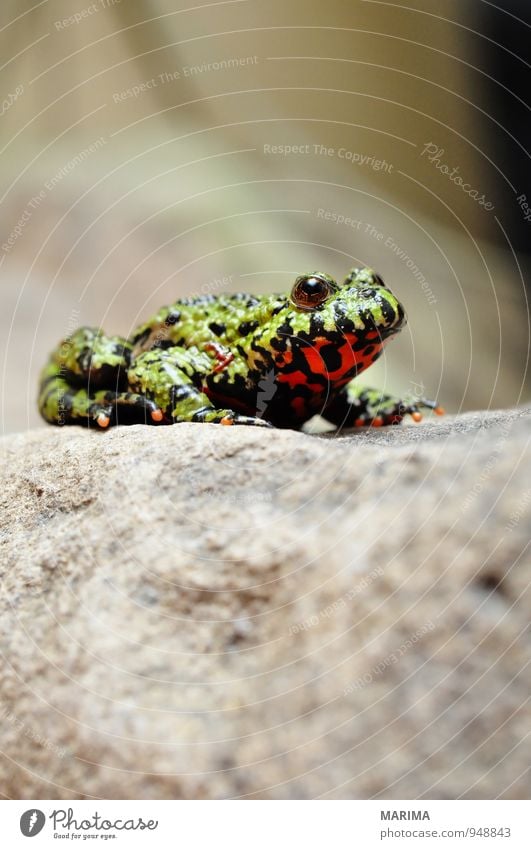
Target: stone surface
207, 612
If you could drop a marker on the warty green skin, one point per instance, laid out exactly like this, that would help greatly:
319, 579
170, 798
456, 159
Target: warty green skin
234, 359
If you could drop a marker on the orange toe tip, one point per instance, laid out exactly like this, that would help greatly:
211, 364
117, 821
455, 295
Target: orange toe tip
226, 421
439, 411
377, 422
417, 417
359, 423
156, 415
103, 420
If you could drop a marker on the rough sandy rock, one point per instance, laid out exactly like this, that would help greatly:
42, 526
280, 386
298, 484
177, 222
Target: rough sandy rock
199, 611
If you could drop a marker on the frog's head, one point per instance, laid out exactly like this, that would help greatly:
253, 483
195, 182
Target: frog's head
334, 331
362, 304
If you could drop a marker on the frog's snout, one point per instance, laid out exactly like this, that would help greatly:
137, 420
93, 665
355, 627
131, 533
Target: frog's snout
385, 314
395, 315
380, 310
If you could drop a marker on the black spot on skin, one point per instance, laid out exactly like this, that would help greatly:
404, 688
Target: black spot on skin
141, 337
388, 311
199, 415
172, 318
179, 393
285, 329
265, 354
216, 328
227, 389
84, 359
249, 300
346, 325
278, 309
247, 327
279, 344
316, 325
162, 344
331, 357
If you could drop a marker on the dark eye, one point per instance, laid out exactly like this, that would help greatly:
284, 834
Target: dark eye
311, 290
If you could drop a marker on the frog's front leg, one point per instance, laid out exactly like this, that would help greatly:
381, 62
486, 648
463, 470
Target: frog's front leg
85, 381
174, 379
356, 406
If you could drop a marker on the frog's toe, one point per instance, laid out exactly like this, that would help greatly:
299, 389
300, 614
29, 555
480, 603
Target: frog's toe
414, 409
254, 421
101, 415
434, 406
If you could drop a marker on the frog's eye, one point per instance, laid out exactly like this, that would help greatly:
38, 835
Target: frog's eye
312, 290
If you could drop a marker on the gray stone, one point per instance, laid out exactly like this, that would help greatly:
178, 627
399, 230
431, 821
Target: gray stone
207, 612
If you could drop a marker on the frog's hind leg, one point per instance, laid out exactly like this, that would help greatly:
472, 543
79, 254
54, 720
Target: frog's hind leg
361, 407
84, 380
61, 403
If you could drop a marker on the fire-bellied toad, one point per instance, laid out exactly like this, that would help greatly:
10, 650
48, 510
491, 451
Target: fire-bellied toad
237, 360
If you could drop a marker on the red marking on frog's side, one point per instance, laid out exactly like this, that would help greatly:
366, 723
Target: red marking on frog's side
350, 359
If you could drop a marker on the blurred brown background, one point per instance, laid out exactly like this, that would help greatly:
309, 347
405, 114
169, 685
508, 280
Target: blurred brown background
138, 165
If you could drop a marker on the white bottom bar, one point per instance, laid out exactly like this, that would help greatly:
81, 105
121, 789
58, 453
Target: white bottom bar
266, 824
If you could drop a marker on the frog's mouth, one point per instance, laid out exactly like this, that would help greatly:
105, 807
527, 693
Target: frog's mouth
385, 333
377, 334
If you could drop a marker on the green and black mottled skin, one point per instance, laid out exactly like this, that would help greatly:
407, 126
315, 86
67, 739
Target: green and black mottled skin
236, 359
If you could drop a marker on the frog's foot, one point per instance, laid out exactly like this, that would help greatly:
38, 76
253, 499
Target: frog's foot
72, 383
223, 417
123, 408
358, 407
231, 418
254, 421
61, 403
